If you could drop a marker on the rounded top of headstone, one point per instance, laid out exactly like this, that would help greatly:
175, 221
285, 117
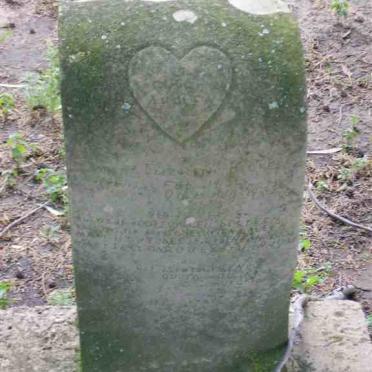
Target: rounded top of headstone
260, 7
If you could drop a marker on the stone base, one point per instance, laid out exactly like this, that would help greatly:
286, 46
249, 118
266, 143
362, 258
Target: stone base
38, 339
334, 338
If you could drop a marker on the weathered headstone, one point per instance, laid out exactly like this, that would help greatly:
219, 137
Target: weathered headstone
185, 134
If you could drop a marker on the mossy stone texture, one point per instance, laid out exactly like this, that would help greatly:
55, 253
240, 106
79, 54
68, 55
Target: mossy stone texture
185, 136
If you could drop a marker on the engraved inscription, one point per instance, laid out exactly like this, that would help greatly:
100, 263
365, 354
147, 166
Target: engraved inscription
180, 95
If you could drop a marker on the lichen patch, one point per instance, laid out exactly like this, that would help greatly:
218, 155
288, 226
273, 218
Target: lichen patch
185, 16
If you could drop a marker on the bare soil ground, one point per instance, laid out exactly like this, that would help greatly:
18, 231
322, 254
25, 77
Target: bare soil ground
339, 65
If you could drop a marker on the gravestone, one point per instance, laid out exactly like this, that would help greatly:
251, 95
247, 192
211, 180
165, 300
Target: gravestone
185, 137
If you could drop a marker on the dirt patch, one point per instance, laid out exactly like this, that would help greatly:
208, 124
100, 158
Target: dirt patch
339, 59
23, 50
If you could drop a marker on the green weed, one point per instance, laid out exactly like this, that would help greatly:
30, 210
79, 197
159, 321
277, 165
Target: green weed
347, 174
350, 135
305, 242
62, 153
20, 148
5, 36
340, 7
61, 297
44, 90
322, 186
359, 164
305, 245
4, 290
55, 184
10, 179
7, 103
50, 233
305, 280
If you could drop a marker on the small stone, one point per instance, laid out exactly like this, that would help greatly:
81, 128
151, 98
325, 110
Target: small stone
190, 221
126, 107
273, 105
363, 280
349, 192
20, 275
359, 18
52, 284
32, 31
185, 16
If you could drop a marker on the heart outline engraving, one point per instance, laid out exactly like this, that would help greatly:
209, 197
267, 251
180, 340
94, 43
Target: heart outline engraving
180, 95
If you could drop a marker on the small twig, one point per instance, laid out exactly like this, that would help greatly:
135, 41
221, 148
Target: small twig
334, 215
341, 115
12, 85
21, 219
325, 152
346, 34
345, 293
4, 184
43, 285
299, 314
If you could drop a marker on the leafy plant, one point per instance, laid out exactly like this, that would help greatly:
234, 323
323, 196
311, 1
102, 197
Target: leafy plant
351, 134
43, 90
61, 297
10, 179
20, 150
7, 103
348, 173
55, 184
305, 244
369, 320
359, 164
345, 174
50, 232
305, 280
4, 290
19, 147
340, 7
62, 153
5, 36
322, 186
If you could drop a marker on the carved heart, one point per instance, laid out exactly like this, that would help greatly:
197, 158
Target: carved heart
180, 95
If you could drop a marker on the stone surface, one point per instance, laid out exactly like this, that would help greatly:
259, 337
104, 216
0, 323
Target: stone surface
44, 339
39, 339
364, 279
185, 137
334, 337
